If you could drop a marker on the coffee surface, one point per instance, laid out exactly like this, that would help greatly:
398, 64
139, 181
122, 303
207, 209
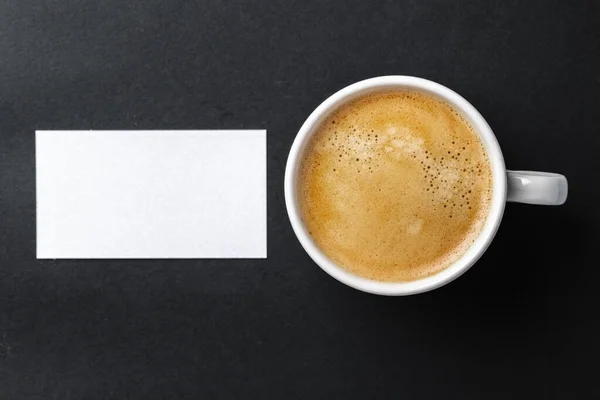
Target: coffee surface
395, 186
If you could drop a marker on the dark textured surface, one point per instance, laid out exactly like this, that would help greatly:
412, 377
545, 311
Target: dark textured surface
523, 323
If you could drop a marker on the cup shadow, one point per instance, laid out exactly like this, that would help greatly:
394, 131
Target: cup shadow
533, 257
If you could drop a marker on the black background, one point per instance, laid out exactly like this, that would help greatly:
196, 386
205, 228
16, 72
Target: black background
523, 323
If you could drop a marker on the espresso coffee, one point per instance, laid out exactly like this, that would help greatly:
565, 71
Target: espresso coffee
395, 186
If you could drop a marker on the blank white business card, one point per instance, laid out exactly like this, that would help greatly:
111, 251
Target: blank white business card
151, 194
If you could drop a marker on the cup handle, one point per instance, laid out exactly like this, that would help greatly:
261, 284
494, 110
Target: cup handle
530, 187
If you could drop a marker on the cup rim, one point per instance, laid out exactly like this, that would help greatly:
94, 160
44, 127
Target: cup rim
479, 124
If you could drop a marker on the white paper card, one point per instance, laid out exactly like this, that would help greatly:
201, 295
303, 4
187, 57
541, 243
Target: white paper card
151, 194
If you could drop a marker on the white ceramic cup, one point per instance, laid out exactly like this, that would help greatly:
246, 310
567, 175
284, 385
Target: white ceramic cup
518, 186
